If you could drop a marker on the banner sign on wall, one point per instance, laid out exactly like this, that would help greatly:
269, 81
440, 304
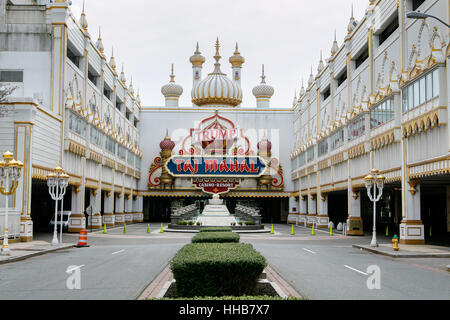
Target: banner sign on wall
216, 166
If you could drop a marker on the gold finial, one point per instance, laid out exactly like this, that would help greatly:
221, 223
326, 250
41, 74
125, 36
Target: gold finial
172, 76
167, 135
263, 76
217, 56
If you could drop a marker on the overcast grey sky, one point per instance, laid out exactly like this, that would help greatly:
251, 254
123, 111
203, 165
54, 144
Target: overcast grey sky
285, 35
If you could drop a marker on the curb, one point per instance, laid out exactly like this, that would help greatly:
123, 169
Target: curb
396, 255
35, 254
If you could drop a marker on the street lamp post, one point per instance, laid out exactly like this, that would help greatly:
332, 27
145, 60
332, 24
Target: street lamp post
57, 184
9, 180
375, 181
421, 15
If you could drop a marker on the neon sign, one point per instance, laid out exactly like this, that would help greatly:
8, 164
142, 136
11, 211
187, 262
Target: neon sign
216, 166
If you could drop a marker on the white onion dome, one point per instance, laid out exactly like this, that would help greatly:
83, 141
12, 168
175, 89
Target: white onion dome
352, 23
112, 62
217, 88
197, 59
335, 46
263, 90
236, 59
172, 90
99, 44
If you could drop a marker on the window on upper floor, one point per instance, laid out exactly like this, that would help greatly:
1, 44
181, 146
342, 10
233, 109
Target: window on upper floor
13, 76
110, 145
129, 114
107, 91
421, 90
389, 29
310, 154
416, 4
122, 152
342, 78
75, 58
130, 158
326, 93
97, 137
77, 125
382, 113
93, 76
301, 160
356, 127
119, 104
361, 57
337, 139
322, 147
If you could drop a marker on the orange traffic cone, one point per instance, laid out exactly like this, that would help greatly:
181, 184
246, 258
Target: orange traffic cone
82, 240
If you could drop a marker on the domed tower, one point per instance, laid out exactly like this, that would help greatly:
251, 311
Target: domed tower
265, 151
172, 92
263, 92
217, 90
197, 61
236, 63
167, 146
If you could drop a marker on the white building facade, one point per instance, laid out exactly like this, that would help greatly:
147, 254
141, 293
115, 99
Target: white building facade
70, 109
379, 101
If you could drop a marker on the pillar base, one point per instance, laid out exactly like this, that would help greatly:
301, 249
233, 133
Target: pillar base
412, 232
77, 222
26, 230
355, 226
95, 222
119, 219
128, 218
311, 220
138, 217
322, 222
108, 219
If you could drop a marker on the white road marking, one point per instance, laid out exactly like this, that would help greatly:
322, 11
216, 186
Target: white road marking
118, 251
75, 268
356, 270
309, 251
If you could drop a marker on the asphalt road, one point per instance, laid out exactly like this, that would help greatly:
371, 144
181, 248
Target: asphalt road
118, 266
322, 268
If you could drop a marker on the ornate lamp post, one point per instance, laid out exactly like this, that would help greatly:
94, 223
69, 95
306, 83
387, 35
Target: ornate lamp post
57, 184
9, 180
375, 181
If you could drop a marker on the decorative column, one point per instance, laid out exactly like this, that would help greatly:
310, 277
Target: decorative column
312, 210
411, 228
95, 220
293, 210
138, 212
77, 220
108, 210
166, 146
354, 221
303, 204
119, 215
128, 209
23, 128
322, 215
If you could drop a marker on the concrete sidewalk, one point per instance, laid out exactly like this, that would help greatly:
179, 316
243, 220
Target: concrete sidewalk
408, 251
24, 250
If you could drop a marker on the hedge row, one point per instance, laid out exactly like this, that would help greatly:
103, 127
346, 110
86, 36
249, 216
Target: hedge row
217, 269
216, 229
217, 237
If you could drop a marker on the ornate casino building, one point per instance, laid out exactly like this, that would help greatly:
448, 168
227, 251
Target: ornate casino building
217, 146
379, 100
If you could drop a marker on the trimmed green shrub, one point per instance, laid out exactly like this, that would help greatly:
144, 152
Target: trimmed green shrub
181, 223
250, 223
217, 269
217, 237
216, 229
191, 223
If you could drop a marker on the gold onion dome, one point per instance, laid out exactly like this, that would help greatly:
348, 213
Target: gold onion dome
172, 90
237, 60
263, 90
217, 88
197, 59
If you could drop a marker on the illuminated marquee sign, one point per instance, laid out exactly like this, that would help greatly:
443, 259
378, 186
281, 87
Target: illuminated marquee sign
216, 166
215, 185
